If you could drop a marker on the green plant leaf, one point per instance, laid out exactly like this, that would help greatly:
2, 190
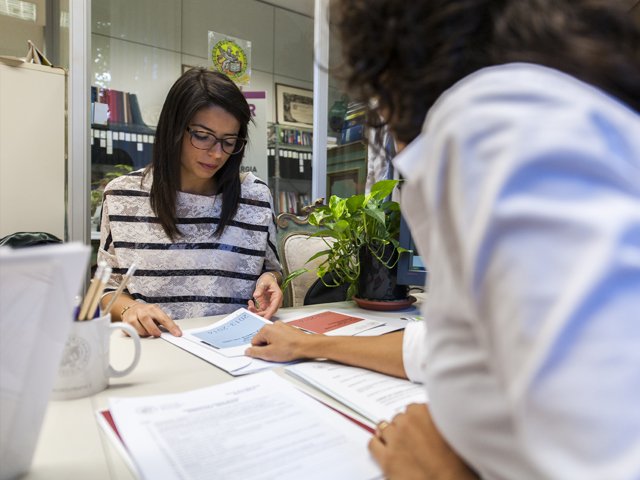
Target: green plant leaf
378, 215
319, 254
383, 188
353, 290
291, 276
354, 203
393, 206
341, 226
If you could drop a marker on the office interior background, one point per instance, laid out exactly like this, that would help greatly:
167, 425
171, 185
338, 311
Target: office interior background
140, 47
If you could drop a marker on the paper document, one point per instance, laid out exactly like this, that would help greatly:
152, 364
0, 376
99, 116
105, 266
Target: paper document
258, 427
373, 395
334, 323
231, 336
38, 286
236, 329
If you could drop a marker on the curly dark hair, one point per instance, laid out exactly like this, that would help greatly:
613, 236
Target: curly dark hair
406, 53
196, 89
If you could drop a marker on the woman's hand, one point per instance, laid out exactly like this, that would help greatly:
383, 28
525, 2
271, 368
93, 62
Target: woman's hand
279, 343
146, 317
411, 447
268, 295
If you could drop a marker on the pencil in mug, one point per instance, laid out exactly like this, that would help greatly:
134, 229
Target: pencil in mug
92, 290
123, 284
98, 293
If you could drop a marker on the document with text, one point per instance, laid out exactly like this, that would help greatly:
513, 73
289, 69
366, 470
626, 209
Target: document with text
257, 427
373, 395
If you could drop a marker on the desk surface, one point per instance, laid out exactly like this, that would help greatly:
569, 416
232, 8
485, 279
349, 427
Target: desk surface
71, 444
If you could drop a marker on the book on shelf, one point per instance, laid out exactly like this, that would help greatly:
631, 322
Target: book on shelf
292, 202
295, 137
352, 134
123, 106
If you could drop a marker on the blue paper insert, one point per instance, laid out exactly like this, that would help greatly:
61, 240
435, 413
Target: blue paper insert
235, 333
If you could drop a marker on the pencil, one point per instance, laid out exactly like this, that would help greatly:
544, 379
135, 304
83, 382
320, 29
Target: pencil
98, 293
92, 289
125, 279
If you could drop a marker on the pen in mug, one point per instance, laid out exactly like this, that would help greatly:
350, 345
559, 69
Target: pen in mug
123, 284
98, 293
92, 290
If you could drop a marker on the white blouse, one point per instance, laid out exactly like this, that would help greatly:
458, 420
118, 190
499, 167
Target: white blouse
523, 191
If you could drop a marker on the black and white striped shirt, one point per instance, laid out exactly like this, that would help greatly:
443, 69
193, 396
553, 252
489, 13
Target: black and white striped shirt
197, 275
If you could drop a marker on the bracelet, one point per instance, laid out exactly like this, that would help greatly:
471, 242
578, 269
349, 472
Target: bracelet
274, 277
127, 308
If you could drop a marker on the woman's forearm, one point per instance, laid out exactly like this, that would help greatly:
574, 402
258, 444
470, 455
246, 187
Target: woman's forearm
382, 354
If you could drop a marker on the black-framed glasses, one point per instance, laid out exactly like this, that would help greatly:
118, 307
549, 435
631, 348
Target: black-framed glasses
206, 141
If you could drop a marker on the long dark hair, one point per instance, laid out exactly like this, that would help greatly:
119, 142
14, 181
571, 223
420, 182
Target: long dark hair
196, 89
406, 53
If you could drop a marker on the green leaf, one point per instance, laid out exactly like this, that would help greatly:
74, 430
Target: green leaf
353, 290
291, 276
355, 202
315, 218
319, 254
383, 188
337, 207
378, 215
393, 206
341, 226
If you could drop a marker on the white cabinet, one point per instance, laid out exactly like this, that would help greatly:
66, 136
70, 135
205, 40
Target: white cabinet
32, 148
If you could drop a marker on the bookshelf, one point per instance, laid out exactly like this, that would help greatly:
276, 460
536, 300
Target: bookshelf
119, 137
290, 163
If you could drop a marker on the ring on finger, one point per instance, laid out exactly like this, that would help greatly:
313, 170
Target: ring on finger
265, 285
381, 426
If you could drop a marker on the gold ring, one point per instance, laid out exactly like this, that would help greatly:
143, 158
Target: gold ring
381, 426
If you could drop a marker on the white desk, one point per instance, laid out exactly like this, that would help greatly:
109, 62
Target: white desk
72, 445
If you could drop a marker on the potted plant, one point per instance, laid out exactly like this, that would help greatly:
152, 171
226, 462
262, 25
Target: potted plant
365, 249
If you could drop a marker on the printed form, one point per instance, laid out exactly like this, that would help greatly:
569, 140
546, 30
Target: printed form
257, 427
373, 395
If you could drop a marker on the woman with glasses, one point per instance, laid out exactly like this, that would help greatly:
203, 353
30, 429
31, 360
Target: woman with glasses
201, 233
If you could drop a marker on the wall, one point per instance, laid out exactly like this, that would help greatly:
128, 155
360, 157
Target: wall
139, 46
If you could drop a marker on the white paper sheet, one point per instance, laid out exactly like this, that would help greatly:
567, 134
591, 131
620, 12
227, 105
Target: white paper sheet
258, 427
373, 395
37, 290
236, 366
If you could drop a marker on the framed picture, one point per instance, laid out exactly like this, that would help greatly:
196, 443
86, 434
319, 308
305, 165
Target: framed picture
294, 106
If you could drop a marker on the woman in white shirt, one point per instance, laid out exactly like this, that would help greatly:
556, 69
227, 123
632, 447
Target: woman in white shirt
523, 163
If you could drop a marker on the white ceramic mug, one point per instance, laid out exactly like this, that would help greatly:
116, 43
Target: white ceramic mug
84, 368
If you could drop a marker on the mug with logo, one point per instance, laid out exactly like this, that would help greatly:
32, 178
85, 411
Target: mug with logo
84, 368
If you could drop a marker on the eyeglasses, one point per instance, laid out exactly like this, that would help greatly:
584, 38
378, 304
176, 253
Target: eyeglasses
206, 141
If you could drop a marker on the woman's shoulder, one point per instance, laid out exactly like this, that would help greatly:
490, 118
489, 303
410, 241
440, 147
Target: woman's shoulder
255, 188
132, 182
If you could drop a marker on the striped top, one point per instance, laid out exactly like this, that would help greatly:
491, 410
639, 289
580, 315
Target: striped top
197, 275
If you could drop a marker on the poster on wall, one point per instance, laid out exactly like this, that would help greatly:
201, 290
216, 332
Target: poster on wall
231, 56
255, 156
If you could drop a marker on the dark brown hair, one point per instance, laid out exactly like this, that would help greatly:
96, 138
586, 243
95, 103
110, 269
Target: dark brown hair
406, 53
196, 89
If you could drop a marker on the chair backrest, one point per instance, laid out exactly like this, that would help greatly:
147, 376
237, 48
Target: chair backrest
297, 249
295, 230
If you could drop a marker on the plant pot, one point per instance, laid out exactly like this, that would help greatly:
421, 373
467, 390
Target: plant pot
377, 282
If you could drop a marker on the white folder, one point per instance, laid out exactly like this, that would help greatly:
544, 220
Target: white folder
38, 286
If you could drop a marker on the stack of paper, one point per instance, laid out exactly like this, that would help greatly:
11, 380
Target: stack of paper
259, 427
373, 395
